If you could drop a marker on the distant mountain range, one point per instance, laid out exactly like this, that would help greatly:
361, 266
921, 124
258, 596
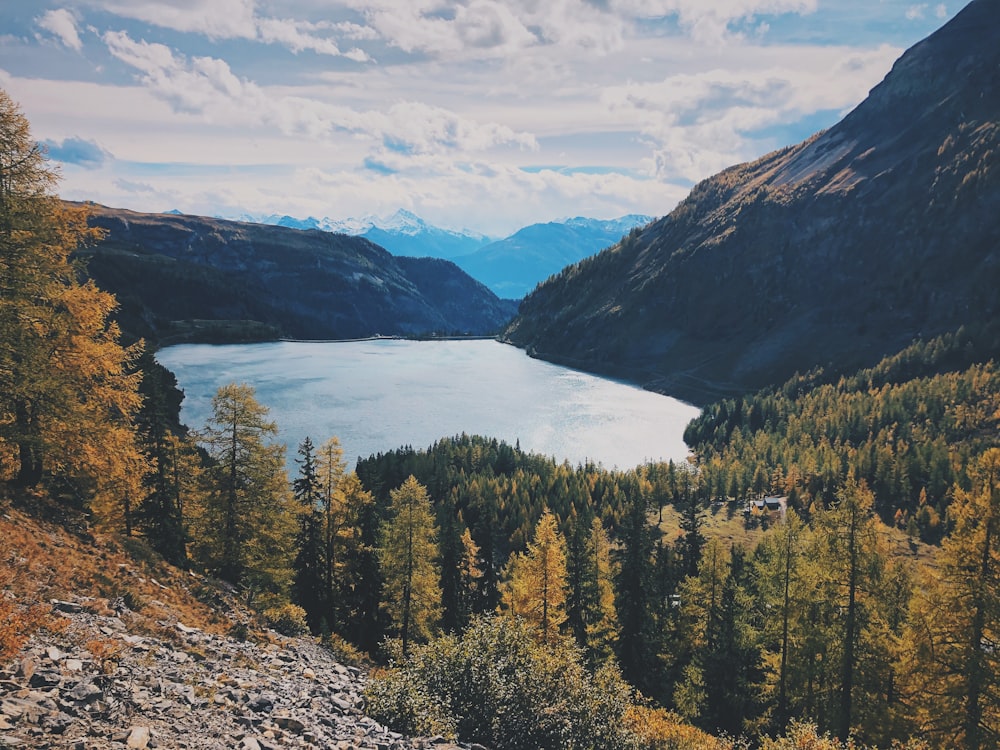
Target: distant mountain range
833, 253
187, 278
402, 233
511, 267
514, 266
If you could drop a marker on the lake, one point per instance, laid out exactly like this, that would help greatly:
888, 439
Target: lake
379, 395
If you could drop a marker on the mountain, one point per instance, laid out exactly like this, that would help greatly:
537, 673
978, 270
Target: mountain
183, 277
511, 267
402, 233
833, 253
514, 266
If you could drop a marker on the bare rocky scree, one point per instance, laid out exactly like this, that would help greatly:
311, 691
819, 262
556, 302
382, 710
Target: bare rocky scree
97, 685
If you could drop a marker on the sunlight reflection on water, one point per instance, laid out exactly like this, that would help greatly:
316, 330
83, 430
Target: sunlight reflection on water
379, 395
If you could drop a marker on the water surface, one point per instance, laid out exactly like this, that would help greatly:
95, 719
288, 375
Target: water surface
379, 395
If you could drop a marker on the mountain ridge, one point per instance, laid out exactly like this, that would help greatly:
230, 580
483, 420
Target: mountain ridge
830, 253
180, 277
402, 232
513, 266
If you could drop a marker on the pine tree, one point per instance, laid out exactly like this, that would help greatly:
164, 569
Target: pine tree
726, 669
692, 540
580, 589
460, 570
637, 645
175, 470
408, 555
330, 476
310, 589
248, 525
68, 389
591, 614
535, 590
779, 563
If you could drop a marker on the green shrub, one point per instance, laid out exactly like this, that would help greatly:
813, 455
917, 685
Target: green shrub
287, 619
345, 652
494, 685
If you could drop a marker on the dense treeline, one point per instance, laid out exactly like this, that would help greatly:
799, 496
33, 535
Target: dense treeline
909, 427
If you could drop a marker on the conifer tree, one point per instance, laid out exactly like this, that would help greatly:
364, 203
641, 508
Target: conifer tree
602, 628
779, 571
68, 389
535, 590
954, 675
637, 645
248, 525
854, 617
408, 555
692, 540
174, 473
359, 581
591, 613
460, 570
725, 673
579, 581
310, 589
330, 473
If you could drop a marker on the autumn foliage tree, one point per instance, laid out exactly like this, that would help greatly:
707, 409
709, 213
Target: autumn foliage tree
408, 556
954, 676
536, 582
68, 388
247, 526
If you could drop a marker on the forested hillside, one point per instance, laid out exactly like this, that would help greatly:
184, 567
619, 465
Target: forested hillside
834, 252
193, 278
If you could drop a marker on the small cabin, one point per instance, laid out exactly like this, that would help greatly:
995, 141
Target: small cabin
771, 505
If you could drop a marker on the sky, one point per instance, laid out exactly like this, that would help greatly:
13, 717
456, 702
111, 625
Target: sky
486, 115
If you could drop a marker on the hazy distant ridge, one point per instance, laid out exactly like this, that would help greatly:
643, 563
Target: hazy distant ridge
511, 267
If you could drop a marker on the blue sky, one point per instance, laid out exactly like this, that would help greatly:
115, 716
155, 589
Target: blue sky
481, 114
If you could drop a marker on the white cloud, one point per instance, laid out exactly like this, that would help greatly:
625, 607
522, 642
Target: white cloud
207, 87
496, 27
703, 122
62, 24
483, 112
916, 12
941, 11
708, 21
238, 19
217, 19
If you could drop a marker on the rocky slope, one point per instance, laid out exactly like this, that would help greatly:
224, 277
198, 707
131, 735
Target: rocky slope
135, 654
180, 688
834, 252
183, 277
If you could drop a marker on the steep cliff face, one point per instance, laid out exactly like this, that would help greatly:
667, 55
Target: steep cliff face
192, 277
833, 252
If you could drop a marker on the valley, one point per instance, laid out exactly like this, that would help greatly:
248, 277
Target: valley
273, 485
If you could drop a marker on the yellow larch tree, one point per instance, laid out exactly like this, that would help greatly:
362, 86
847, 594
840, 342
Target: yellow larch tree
535, 589
408, 555
952, 682
68, 388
